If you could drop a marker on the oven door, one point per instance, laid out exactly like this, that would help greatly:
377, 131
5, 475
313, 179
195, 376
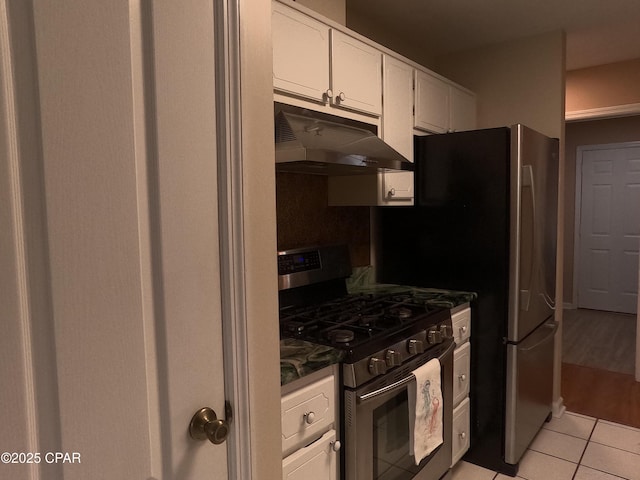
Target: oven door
377, 425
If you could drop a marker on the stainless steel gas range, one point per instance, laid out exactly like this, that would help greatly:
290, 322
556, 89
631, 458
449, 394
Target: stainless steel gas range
384, 337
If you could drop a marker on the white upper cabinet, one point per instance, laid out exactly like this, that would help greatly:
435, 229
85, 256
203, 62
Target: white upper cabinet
463, 110
431, 103
397, 128
356, 70
315, 62
442, 107
300, 54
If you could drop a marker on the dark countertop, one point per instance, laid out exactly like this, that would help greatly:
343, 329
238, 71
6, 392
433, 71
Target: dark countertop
299, 358
363, 281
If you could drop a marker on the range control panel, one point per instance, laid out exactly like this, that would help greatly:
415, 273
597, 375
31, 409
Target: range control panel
298, 262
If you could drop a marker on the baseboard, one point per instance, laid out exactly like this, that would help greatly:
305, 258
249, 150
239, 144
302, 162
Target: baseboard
569, 306
558, 408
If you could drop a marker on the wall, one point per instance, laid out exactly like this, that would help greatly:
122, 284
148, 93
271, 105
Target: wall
334, 9
603, 86
395, 40
259, 232
615, 130
305, 219
520, 81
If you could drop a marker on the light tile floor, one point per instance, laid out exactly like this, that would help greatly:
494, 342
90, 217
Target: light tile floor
572, 447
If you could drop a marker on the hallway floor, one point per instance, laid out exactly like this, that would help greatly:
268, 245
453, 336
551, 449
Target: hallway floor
572, 447
604, 340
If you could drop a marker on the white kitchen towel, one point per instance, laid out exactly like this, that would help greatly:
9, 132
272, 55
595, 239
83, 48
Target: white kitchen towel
425, 410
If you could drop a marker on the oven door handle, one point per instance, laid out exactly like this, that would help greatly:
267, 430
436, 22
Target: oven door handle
366, 397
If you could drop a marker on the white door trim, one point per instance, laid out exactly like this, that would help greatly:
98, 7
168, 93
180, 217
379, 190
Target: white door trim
15, 295
576, 229
232, 268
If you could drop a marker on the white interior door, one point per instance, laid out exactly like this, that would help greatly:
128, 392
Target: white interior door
118, 99
609, 227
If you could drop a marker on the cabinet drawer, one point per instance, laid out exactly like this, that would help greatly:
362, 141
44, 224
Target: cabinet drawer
460, 437
307, 413
461, 370
461, 325
317, 461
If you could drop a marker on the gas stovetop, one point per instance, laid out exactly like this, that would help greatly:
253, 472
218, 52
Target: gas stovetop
377, 332
360, 323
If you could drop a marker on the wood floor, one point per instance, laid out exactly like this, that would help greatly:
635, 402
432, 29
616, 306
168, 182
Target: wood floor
602, 394
598, 354
604, 340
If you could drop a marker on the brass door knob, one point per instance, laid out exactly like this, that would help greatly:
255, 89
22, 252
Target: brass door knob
205, 424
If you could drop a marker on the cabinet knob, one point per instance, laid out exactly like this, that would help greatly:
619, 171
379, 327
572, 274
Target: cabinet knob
463, 329
309, 417
462, 435
462, 377
392, 192
342, 97
328, 94
335, 445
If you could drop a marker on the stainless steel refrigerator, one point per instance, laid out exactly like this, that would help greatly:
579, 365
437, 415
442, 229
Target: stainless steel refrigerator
485, 220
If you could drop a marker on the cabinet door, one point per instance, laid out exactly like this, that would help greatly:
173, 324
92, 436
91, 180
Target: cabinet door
460, 434
306, 413
300, 54
397, 127
315, 462
431, 103
461, 371
356, 74
463, 110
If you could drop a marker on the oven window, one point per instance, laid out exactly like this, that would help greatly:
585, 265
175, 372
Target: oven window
391, 459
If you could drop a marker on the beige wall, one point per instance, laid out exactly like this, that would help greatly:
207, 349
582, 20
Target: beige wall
259, 232
603, 86
516, 82
392, 39
336, 10
597, 132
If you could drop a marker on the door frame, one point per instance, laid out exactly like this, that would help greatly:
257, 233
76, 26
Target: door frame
246, 457
576, 231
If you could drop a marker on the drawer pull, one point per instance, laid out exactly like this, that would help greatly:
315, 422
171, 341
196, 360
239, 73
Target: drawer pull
336, 445
463, 329
462, 435
462, 377
309, 417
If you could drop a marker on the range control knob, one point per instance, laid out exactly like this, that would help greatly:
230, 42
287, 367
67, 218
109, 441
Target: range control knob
415, 346
393, 358
434, 336
377, 366
446, 331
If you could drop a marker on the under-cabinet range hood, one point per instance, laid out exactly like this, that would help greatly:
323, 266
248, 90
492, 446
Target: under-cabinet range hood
315, 143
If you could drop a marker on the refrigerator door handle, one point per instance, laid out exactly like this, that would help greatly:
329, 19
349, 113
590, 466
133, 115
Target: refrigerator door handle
552, 332
527, 181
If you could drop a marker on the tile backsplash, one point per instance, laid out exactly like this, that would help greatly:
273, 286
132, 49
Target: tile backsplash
305, 219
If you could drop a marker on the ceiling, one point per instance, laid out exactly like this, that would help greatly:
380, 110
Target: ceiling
598, 31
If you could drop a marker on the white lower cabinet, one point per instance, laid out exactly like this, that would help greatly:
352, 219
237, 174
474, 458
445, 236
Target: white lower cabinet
461, 370
317, 461
461, 321
310, 442
460, 437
